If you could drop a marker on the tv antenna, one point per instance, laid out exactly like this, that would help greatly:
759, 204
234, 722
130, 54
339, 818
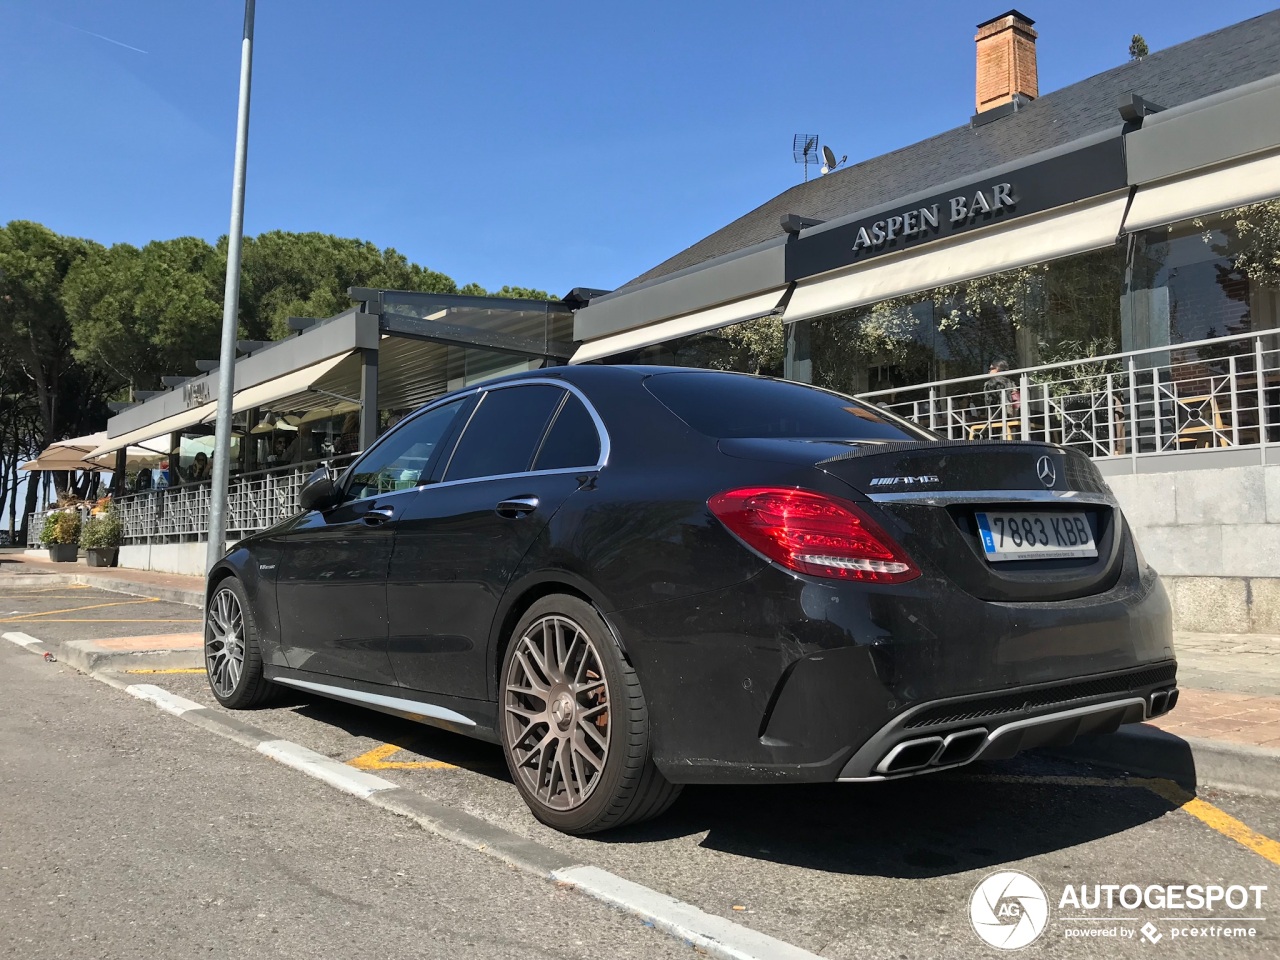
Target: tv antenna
829, 161
804, 147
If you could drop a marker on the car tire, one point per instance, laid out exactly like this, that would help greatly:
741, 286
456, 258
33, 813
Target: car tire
232, 652
562, 673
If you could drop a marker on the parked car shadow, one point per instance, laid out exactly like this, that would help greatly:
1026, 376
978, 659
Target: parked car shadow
921, 827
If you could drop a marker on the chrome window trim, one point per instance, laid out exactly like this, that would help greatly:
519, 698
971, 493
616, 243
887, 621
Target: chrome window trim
944, 497
602, 433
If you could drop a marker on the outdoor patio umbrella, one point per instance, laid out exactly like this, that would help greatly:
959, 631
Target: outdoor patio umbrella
65, 455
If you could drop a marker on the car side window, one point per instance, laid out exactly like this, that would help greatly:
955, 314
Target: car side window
399, 462
572, 441
504, 431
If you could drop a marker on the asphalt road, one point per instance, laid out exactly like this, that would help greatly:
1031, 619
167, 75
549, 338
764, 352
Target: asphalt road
125, 833
160, 832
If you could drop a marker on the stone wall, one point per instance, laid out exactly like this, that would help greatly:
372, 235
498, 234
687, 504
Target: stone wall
1214, 535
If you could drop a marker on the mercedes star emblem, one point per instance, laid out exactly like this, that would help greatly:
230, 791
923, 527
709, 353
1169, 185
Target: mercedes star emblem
1044, 470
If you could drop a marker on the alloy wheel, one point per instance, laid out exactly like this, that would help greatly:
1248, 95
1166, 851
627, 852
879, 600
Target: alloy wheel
556, 708
224, 643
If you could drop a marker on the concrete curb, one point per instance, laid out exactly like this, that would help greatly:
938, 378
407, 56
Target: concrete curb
712, 935
88, 657
1151, 752
190, 598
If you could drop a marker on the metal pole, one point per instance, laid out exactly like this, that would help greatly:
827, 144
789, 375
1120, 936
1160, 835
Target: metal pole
230, 308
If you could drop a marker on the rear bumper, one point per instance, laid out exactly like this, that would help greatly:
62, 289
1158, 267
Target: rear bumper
788, 679
910, 745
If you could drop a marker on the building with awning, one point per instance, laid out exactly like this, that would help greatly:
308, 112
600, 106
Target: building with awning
320, 395
1096, 266
1186, 133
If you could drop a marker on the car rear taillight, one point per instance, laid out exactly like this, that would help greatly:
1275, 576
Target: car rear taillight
813, 533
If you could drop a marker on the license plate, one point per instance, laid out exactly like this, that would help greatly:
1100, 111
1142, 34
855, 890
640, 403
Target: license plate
1029, 535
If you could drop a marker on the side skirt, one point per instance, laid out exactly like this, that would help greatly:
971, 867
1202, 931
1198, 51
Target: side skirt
472, 718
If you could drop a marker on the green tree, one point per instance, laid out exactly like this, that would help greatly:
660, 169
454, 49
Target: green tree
1138, 47
307, 275
140, 314
37, 335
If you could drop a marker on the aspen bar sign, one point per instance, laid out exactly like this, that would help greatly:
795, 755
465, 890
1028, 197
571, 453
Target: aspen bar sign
1003, 194
911, 223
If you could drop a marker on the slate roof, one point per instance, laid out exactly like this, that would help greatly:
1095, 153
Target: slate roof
1209, 64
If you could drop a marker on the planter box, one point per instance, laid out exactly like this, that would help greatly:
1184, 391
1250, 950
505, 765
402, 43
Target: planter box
64, 552
102, 556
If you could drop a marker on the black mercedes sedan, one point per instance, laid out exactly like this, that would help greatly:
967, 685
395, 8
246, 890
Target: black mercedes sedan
633, 578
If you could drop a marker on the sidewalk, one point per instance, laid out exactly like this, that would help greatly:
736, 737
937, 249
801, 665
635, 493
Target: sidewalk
1226, 726
165, 586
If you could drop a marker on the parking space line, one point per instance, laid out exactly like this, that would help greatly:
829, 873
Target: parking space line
91, 606
122, 620
1216, 819
170, 670
376, 759
1205, 812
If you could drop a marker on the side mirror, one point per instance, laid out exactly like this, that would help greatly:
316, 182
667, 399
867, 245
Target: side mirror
319, 492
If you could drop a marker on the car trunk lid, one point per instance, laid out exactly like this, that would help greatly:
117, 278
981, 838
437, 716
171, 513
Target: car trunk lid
944, 499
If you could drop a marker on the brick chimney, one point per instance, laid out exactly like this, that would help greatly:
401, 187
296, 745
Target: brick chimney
1006, 60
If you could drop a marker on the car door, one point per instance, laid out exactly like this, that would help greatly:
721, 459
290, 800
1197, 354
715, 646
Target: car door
526, 448
332, 586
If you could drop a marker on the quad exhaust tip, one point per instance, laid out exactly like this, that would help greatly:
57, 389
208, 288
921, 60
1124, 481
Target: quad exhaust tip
1162, 701
910, 755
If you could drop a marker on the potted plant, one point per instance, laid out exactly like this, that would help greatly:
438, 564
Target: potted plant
61, 533
101, 536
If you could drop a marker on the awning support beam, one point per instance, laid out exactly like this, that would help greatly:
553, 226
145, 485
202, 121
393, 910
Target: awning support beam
368, 397
462, 336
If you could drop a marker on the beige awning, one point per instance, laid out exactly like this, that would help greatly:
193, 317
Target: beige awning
161, 428
751, 308
1079, 228
1198, 194
291, 384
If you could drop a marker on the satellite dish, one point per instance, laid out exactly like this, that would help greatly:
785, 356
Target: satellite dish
828, 156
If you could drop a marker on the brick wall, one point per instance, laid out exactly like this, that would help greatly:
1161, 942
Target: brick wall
1006, 50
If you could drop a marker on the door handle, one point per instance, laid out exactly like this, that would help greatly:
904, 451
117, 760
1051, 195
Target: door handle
517, 507
376, 516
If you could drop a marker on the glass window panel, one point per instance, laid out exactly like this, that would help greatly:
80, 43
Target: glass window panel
504, 432
730, 407
400, 460
572, 441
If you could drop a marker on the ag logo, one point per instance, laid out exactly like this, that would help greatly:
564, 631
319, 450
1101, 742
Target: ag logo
1008, 910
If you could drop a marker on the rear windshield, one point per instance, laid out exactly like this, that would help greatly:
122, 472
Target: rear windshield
729, 406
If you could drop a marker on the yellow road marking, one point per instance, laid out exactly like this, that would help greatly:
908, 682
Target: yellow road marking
91, 606
171, 670
25, 619
1219, 820
1205, 812
376, 759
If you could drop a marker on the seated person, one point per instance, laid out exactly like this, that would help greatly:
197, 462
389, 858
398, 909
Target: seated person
199, 469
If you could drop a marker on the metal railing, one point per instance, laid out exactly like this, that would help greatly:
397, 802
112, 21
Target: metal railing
255, 501
1223, 392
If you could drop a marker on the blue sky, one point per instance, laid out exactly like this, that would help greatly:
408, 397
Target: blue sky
548, 145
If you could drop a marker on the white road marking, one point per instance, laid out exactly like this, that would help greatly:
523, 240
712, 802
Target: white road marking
21, 639
717, 935
324, 768
166, 701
